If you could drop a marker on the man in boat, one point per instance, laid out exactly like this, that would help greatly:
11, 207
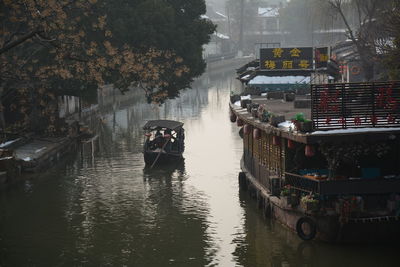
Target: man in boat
158, 139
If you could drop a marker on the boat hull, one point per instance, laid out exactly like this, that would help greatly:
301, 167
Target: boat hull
329, 228
162, 158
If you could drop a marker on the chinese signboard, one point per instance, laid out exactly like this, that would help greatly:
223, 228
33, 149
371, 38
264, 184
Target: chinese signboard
321, 57
295, 58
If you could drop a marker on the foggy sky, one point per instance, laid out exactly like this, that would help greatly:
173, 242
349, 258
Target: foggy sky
219, 5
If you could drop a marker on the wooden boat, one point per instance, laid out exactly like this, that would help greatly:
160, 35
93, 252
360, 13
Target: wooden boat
336, 179
164, 141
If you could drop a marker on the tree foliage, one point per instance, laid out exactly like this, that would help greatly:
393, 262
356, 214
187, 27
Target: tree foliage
101, 41
366, 33
168, 25
392, 49
299, 18
242, 17
70, 47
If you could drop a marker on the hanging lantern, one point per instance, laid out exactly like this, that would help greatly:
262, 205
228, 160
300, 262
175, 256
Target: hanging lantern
246, 129
309, 151
276, 140
232, 117
290, 144
239, 122
256, 133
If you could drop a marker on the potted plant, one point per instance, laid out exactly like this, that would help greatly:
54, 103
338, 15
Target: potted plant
252, 106
285, 191
297, 119
245, 102
306, 126
276, 119
289, 196
264, 116
310, 203
254, 112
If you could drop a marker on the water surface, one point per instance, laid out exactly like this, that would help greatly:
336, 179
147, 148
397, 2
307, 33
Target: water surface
102, 207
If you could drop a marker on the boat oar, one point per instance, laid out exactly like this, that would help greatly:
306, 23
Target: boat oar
159, 154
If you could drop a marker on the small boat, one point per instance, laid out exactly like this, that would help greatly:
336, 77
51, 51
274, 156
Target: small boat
164, 141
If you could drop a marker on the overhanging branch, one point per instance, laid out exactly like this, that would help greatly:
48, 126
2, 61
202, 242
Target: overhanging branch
19, 41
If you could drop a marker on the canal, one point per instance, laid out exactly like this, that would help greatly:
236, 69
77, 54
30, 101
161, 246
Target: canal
101, 207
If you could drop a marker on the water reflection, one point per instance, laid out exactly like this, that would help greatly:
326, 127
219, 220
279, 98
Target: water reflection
267, 243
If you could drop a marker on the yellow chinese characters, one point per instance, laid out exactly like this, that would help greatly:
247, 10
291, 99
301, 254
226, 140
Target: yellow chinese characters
287, 64
270, 64
304, 64
277, 52
295, 52
323, 58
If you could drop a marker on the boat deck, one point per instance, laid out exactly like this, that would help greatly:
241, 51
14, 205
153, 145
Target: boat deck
281, 107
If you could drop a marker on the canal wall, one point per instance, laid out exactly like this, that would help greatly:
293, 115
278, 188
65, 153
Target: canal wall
228, 64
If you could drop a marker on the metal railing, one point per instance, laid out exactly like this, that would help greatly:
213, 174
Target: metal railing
355, 105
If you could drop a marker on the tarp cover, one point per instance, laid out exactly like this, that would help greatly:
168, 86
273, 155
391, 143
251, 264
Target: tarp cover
280, 79
173, 125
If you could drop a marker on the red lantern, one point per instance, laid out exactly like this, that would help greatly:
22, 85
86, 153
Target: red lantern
239, 122
246, 129
276, 141
309, 151
256, 133
290, 144
232, 117
147, 135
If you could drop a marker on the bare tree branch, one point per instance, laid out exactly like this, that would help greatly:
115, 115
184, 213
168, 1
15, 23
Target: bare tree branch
19, 41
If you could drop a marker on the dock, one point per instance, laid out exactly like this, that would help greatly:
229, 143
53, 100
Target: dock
40, 152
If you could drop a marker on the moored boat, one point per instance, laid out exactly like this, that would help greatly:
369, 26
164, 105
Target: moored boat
326, 163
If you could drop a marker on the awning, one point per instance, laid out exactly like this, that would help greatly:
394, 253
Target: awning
154, 124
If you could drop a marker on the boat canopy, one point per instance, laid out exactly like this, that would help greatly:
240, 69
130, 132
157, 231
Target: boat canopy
169, 124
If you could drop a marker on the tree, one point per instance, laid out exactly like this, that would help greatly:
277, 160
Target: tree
242, 18
365, 33
173, 25
62, 46
392, 49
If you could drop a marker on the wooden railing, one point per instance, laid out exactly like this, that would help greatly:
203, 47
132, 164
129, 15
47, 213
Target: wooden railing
343, 187
355, 105
258, 171
301, 183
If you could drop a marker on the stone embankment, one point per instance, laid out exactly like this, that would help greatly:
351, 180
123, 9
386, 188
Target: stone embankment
225, 64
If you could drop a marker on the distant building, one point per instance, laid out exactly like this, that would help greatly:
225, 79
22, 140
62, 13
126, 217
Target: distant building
221, 44
267, 29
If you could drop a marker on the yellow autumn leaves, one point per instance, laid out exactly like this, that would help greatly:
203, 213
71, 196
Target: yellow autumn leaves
60, 47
